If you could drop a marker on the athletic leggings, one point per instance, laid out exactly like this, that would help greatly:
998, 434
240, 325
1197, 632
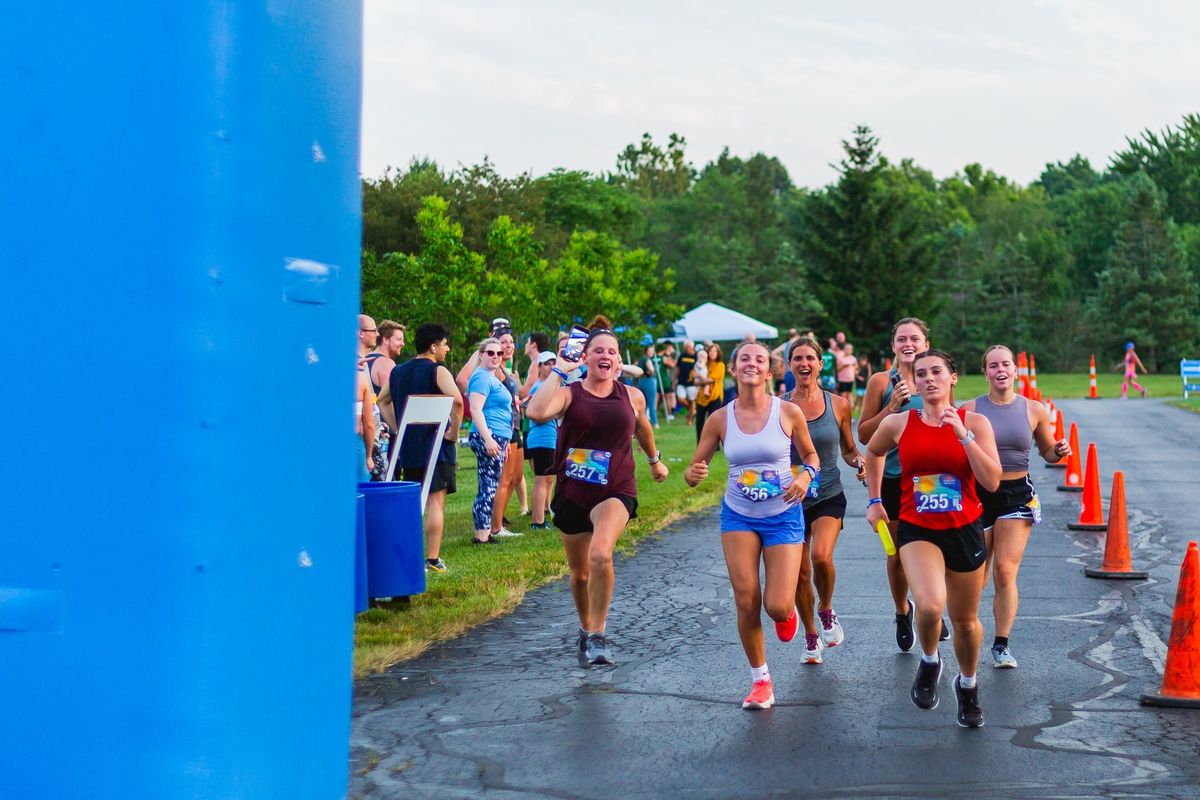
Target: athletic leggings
488, 469
1130, 377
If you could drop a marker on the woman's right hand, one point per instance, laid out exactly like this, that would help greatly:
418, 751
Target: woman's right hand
875, 514
695, 473
901, 394
491, 446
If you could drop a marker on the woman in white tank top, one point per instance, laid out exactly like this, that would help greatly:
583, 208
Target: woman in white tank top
761, 515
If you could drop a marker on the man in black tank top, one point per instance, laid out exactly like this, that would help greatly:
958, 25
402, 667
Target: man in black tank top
427, 374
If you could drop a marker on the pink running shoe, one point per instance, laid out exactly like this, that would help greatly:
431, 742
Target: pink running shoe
762, 695
786, 631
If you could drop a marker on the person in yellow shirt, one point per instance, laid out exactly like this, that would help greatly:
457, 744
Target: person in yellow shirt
712, 387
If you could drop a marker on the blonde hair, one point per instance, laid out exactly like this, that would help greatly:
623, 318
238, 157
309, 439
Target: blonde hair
491, 340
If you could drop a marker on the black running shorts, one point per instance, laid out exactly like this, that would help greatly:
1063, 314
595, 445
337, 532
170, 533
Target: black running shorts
572, 518
542, 459
962, 548
834, 506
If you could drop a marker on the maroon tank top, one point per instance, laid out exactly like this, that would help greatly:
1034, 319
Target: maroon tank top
937, 484
595, 447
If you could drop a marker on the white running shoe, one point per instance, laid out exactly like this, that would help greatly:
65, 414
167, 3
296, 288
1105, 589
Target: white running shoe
505, 533
812, 655
833, 635
1002, 658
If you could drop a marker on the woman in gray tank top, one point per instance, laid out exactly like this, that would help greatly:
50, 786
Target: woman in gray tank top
761, 517
828, 418
1010, 512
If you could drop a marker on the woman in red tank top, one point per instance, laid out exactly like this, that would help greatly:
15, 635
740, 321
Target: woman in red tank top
944, 451
596, 492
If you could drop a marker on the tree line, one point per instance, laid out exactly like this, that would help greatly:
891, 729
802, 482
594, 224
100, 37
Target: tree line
1080, 261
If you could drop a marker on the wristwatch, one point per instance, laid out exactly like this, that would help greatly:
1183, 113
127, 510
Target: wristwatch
966, 440
657, 458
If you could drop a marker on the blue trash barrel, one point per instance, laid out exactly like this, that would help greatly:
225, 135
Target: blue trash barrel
180, 186
361, 599
395, 539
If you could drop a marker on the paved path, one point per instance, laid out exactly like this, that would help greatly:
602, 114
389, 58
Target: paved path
505, 712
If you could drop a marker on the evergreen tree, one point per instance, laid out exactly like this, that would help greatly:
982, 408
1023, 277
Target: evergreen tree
1146, 295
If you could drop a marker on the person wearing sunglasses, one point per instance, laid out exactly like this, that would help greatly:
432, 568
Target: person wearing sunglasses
491, 405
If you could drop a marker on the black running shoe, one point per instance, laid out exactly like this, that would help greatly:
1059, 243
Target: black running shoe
924, 689
945, 634
597, 651
904, 628
970, 715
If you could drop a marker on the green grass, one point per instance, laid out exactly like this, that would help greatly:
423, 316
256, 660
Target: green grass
486, 582
1191, 404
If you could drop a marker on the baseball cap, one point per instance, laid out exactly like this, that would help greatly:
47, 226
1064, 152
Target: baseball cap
547, 356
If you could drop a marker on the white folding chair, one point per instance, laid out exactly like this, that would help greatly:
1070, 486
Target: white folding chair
423, 409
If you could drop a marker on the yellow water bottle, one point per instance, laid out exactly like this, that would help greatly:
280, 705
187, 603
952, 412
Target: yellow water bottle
885, 537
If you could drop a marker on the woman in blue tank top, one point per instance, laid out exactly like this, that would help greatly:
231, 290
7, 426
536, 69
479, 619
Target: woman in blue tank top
1010, 512
761, 515
893, 392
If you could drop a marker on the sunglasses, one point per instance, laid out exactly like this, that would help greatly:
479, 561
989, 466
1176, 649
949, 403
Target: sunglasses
493, 352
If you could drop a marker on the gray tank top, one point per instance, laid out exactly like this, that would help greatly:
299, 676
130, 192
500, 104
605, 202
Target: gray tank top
1010, 424
760, 469
827, 438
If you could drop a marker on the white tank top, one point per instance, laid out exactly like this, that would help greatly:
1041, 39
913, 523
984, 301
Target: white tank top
760, 465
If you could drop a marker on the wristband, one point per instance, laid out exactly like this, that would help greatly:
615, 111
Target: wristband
810, 469
966, 440
657, 458
559, 373
874, 501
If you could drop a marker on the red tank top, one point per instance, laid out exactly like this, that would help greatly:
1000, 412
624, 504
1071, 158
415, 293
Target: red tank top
594, 453
937, 486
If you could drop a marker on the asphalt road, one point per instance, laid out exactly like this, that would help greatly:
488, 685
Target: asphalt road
505, 711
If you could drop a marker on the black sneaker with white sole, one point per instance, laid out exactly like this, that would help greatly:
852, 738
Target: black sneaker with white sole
946, 633
924, 689
904, 628
970, 715
597, 650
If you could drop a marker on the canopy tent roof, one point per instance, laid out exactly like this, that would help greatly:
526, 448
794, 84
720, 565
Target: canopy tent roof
716, 322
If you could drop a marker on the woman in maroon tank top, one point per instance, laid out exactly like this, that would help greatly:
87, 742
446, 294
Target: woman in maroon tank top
944, 451
596, 491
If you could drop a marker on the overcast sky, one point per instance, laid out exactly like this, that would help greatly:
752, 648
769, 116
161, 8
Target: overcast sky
539, 85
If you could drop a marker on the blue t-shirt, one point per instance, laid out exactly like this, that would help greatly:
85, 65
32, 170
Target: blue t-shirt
497, 402
541, 434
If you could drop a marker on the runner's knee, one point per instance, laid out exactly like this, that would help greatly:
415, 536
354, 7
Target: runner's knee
780, 610
748, 604
1005, 573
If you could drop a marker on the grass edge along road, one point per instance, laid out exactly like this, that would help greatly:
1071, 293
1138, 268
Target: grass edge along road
485, 582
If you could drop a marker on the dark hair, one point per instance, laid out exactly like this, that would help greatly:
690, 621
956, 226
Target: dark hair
996, 347
920, 323
805, 341
430, 334
600, 326
931, 352
385, 330
541, 340
720, 355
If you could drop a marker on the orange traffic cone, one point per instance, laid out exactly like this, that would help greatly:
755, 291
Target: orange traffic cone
1073, 480
887, 365
1033, 389
1117, 563
1023, 374
1092, 379
1091, 515
1058, 435
1181, 676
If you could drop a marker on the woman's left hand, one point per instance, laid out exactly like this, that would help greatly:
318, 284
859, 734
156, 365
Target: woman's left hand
950, 417
799, 488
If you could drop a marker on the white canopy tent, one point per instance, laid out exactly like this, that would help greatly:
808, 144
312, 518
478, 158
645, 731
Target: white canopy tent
716, 322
